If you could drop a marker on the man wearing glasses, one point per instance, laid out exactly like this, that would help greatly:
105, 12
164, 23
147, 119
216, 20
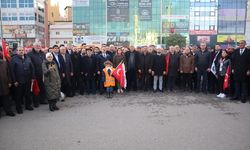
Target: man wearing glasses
241, 71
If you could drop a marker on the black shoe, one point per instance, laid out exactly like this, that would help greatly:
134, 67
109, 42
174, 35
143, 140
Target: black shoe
29, 108
51, 107
161, 91
243, 100
154, 91
19, 111
55, 107
234, 98
10, 113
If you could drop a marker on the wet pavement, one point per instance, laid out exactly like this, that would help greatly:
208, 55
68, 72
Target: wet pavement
132, 121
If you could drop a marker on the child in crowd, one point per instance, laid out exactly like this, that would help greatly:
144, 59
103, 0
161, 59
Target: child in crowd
222, 66
109, 80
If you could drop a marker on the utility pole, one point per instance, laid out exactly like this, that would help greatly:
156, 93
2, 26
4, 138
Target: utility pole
1, 22
236, 30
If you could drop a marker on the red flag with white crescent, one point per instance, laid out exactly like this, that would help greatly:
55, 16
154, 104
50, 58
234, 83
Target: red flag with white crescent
35, 88
120, 74
226, 79
167, 62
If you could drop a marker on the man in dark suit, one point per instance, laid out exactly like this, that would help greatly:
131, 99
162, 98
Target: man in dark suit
58, 61
22, 73
76, 61
100, 63
67, 70
132, 59
202, 67
37, 57
89, 69
241, 70
145, 69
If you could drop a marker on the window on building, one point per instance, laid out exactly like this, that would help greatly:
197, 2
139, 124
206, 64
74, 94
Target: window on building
8, 4
40, 8
9, 16
197, 13
212, 13
57, 33
26, 3
212, 0
65, 42
211, 27
26, 16
197, 0
40, 19
4, 17
196, 27
57, 42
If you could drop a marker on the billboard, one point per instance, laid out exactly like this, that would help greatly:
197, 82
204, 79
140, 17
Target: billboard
19, 31
117, 37
230, 38
204, 32
205, 39
176, 26
118, 10
91, 39
81, 29
145, 10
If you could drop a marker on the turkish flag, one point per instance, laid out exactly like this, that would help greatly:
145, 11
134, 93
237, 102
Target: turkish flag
226, 79
120, 74
167, 62
35, 88
6, 54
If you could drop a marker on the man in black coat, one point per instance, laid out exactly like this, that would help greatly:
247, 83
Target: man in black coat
173, 68
158, 69
37, 57
202, 67
58, 60
132, 59
145, 69
213, 85
89, 70
241, 71
22, 72
76, 62
67, 71
101, 58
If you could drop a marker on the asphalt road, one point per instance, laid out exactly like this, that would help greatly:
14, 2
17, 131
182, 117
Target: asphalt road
134, 121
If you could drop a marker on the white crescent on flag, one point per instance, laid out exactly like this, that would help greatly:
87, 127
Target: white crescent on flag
118, 71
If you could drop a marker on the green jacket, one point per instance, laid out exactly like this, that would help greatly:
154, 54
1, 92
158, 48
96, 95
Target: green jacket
52, 80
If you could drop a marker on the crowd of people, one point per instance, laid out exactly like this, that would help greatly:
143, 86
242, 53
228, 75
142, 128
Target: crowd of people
87, 69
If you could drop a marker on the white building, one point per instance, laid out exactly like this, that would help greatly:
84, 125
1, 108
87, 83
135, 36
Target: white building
61, 33
247, 34
23, 21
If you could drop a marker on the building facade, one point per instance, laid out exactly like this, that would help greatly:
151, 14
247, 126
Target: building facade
61, 33
53, 12
203, 21
247, 34
23, 21
68, 13
231, 21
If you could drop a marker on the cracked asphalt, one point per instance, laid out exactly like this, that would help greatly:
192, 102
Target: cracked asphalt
132, 121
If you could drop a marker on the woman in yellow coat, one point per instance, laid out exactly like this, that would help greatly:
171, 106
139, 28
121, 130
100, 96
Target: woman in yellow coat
109, 80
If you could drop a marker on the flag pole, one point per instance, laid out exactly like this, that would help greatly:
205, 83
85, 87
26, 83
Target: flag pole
119, 63
1, 25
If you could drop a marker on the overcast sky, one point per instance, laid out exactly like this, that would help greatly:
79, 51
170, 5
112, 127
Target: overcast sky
62, 4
